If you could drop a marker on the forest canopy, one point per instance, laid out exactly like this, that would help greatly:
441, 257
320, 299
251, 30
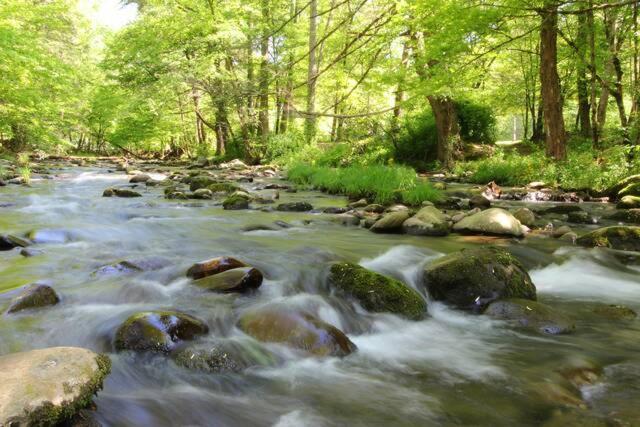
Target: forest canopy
417, 82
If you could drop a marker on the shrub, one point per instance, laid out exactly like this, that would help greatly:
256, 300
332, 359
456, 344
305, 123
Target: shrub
477, 122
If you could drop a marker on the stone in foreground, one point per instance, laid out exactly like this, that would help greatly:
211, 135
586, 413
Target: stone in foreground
472, 278
376, 292
494, 221
298, 329
158, 331
48, 386
241, 280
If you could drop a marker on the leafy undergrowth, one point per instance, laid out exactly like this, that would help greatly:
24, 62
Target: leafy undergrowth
584, 169
382, 184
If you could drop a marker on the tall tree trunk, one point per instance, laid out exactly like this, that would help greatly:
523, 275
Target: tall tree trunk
595, 128
584, 108
200, 132
537, 134
263, 115
19, 139
399, 96
312, 71
447, 127
222, 130
555, 135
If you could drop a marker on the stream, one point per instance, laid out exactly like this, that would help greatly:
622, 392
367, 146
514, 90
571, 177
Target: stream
453, 368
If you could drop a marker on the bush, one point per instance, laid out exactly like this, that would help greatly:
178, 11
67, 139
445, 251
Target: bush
477, 122
417, 142
382, 184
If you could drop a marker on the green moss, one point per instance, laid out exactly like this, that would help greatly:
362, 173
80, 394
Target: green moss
235, 201
48, 414
376, 292
223, 187
198, 182
624, 238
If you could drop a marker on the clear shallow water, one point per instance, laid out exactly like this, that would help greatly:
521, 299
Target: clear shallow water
449, 369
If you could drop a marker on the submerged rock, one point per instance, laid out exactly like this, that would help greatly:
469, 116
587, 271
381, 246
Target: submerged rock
298, 329
531, 315
35, 295
294, 207
479, 201
158, 331
581, 217
561, 209
136, 179
472, 278
213, 266
626, 215
223, 356
375, 292
390, 222
243, 279
615, 312
626, 238
48, 386
429, 221
493, 221
133, 266
120, 192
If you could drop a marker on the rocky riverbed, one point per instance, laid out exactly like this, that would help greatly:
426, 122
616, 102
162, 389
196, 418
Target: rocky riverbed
224, 295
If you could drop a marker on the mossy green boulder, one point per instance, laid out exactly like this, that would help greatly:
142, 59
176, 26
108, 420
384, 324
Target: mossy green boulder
299, 329
236, 202
626, 238
157, 331
493, 221
223, 187
390, 222
624, 187
629, 202
375, 292
49, 386
203, 181
531, 315
626, 215
35, 295
472, 278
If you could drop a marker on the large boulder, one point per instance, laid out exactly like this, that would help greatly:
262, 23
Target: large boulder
35, 295
376, 292
629, 202
525, 216
624, 187
531, 315
158, 331
202, 181
140, 178
626, 238
48, 386
243, 279
494, 221
236, 202
472, 278
213, 266
298, 329
429, 221
390, 222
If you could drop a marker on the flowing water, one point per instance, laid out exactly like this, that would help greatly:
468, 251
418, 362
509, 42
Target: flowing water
450, 369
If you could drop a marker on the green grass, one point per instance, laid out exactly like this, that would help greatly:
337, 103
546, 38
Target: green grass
377, 183
584, 169
25, 174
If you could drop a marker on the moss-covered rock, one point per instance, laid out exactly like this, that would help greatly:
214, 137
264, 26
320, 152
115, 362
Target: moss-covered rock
614, 191
243, 279
298, 329
224, 355
429, 221
629, 202
474, 277
202, 194
213, 266
236, 202
120, 192
8, 242
35, 295
203, 181
390, 222
631, 216
49, 386
140, 178
223, 187
376, 292
294, 207
494, 221
525, 216
632, 189
531, 315
626, 238
581, 217
564, 208
158, 331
